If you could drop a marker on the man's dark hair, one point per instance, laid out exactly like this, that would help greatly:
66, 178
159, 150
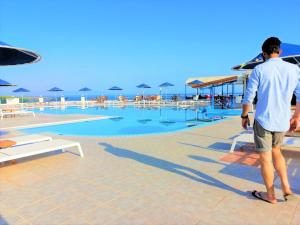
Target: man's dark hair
271, 45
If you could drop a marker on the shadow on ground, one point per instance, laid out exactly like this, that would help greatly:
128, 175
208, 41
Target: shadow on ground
249, 173
218, 146
187, 172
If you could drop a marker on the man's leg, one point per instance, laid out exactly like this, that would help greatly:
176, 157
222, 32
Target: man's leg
267, 172
263, 145
280, 166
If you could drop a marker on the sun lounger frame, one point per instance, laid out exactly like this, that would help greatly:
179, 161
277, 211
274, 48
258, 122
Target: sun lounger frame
27, 139
18, 112
43, 147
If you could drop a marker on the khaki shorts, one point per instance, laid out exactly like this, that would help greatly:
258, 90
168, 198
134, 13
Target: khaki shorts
264, 140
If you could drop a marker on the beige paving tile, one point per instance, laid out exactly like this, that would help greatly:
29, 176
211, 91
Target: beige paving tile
156, 214
235, 210
36, 209
103, 196
78, 207
128, 204
64, 197
19, 198
102, 215
55, 216
11, 218
78, 220
295, 220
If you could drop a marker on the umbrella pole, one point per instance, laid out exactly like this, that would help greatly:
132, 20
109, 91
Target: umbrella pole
160, 93
144, 98
166, 94
55, 100
86, 100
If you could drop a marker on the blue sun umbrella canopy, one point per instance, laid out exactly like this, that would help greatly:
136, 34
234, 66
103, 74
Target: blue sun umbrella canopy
166, 84
115, 88
143, 86
290, 53
19, 90
194, 82
10, 55
5, 83
85, 89
55, 89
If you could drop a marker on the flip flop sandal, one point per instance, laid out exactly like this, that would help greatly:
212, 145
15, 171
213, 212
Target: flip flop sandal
289, 197
257, 195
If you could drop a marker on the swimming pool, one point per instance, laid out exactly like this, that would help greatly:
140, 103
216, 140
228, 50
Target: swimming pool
132, 120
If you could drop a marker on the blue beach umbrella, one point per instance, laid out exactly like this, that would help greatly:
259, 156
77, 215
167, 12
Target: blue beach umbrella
290, 53
85, 89
195, 82
55, 89
5, 83
165, 85
115, 88
21, 90
10, 55
143, 86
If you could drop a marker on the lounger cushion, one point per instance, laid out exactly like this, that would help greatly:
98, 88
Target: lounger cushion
6, 143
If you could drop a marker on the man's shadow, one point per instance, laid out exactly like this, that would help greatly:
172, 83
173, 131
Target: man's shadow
171, 167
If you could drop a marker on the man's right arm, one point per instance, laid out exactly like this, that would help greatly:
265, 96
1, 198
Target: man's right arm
252, 86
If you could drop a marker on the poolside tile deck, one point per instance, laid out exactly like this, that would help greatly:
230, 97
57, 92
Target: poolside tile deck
180, 178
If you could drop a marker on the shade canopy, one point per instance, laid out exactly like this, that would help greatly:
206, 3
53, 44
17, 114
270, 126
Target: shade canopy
85, 89
203, 82
10, 55
290, 53
166, 84
54, 89
21, 90
5, 83
115, 88
143, 86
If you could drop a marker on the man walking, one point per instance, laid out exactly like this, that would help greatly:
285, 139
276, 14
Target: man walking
274, 81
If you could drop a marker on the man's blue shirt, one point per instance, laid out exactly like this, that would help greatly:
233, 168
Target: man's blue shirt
275, 82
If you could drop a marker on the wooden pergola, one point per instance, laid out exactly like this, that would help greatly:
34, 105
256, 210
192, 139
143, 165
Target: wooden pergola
216, 81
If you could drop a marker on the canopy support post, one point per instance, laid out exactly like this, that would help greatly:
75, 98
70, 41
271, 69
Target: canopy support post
232, 99
212, 97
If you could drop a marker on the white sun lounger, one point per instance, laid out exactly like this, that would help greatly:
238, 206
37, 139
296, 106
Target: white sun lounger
249, 138
23, 151
17, 112
27, 139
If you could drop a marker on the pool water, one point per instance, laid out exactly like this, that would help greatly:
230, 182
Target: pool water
132, 120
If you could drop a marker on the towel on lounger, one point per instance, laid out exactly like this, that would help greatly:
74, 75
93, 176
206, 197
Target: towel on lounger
6, 143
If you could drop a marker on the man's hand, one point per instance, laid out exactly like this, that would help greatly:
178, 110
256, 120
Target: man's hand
294, 123
245, 123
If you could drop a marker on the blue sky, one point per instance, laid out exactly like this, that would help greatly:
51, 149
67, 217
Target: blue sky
101, 43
